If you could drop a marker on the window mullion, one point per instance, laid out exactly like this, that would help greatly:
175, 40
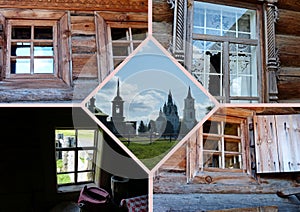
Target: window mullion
226, 72
32, 51
76, 158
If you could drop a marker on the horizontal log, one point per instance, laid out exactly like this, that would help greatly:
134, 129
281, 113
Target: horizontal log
162, 12
177, 159
122, 16
289, 91
31, 14
289, 50
289, 5
112, 5
84, 45
84, 65
83, 25
289, 23
289, 72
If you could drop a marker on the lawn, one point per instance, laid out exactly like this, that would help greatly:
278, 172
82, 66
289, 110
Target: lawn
151, 154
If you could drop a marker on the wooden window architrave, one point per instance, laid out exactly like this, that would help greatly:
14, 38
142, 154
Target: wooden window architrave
62, 69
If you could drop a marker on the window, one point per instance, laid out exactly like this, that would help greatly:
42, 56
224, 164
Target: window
32, 47
75, 155
222, 145
124, 41
225, 51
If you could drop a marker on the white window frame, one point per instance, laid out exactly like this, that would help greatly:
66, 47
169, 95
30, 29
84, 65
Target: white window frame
226, 41
76, 149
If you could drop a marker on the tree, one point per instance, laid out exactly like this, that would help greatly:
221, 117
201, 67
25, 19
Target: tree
142, 128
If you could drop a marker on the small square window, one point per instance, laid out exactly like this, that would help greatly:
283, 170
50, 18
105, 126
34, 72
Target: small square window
75, 155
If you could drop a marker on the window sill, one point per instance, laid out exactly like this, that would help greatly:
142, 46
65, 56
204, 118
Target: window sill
73, 188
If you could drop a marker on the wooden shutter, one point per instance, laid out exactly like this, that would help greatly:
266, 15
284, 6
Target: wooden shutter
64, 52
277, 143
192, 151
288, 130
179, 29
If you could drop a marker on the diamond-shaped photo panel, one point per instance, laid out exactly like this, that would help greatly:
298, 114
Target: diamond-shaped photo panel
150, 103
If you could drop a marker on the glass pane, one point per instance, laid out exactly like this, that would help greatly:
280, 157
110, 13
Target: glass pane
119, 34
244, 23
211, 160
85, 160
43, 49
212, 144
231, 129
65, 138
232, 146
86, 138
21, 32
85, 177
20, 49
139, 34
207, 65
20, 66
233, 161
67, 161
65, 178
211, 127
211, 18
43, 66
43, 32
228, 21
243, 70
121, 50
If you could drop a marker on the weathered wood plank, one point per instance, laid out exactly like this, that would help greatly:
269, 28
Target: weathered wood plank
122, 16
289, 50
289, 72
293, 5
267, 160
84, 65
258, 209
84, 45
177, 161
112, 5
289, 91
83, 25
288, 23
32, 14
288, 132
161, 11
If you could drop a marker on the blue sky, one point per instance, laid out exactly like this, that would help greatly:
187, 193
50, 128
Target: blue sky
145, 82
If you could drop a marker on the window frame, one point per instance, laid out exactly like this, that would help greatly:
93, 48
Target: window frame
76, 149
129, 41
226, 98
221, 137
32, 23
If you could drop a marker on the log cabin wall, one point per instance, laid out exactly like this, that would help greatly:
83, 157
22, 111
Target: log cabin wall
282, 82
287, 39
84, 56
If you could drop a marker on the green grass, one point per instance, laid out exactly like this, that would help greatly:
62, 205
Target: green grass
151, 154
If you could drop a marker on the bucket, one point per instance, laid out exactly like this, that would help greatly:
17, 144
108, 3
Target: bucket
119, 188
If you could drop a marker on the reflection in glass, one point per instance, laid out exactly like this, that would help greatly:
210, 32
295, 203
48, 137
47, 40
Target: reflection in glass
20, 66
20, 49
86, 138
43, 66
43, 49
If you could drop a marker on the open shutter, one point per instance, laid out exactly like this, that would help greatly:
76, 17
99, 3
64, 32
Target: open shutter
266, 144
2, 46
179, 29
277, 143
192, 151
288, 129
64, 52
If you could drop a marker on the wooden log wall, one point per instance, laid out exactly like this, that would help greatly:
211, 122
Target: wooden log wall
84, 48
287, 41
